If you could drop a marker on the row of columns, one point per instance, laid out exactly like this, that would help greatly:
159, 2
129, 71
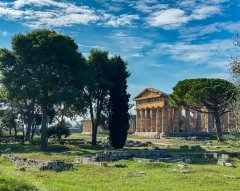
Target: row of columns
152, 120
167, 119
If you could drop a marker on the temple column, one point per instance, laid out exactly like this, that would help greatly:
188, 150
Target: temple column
164, 119
194, 119
138, 121
159, 120
187, 120
148, 120
153, 120
170, 119
198, 122
143, 120
175, 120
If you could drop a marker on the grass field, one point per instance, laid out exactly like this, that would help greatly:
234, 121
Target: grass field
204, 174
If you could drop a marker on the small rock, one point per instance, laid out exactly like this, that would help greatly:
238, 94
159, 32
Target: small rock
162, 135
183, 165
228, 164
221, 162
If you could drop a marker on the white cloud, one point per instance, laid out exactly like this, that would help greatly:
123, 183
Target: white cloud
120, 20
204, 12
52, 14
55, 13
174, 15
168, 19
193, 33
174, 18
148, 6
214, 54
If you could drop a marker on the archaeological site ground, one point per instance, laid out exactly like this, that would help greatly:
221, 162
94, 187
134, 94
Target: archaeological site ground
183, 163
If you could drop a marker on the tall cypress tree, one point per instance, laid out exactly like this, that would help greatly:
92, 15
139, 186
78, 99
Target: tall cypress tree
118, 105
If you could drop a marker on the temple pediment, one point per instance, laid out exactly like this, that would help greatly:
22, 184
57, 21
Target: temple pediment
149, 93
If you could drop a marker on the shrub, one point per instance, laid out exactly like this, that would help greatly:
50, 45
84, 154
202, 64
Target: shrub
232, 139
35, 141
58, 131
9, 184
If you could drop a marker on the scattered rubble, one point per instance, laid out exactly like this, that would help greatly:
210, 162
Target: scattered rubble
22, 163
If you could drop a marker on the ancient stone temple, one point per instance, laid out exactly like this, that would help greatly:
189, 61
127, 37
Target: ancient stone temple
155, 117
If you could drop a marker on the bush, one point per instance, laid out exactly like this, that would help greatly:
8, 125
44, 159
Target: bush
196, 148
58, 131
35, 141
184, 147
232, 139
9, 184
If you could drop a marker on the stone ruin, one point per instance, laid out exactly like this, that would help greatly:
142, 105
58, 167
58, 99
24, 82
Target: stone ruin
22, 163
145, 156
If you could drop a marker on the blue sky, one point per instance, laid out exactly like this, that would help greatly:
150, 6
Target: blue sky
164, 41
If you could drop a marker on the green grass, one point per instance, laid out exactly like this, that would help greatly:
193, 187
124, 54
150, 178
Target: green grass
136, 176
9, 184
204, 174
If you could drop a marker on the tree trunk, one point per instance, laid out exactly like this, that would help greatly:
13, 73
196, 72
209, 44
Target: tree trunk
94, 126
44, 128
94, 135
218, 126
15, 132
29, 121
33, 130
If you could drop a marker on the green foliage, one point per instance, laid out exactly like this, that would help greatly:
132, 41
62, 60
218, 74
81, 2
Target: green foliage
97, 88
235, 72
118, 106
203, 92
35, 141
10, 184
48, 78
8, 121
59, 130
40, 69
216, 95
232, 139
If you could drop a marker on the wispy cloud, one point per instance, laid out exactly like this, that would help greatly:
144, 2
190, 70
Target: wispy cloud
120, 20
53, 13
216, 53
156, 65
127, 45
193, 33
